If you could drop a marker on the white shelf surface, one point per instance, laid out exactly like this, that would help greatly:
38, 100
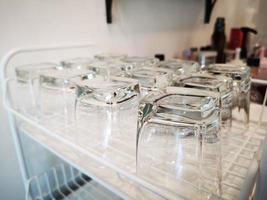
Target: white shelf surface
111, 161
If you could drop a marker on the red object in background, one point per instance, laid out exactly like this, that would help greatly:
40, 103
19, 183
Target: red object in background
236, 37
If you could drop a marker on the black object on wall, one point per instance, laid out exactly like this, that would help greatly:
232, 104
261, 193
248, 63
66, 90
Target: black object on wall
209, 5
109, 11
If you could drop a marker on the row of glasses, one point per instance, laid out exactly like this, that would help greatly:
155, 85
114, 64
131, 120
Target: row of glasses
151, 74
154, 75
58, 86
178, 131
52, 91
35, 81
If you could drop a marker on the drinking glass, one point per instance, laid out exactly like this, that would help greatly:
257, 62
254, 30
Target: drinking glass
150, 79
107, 106
241, 85
57, 93
138, 62
221, 84
26, 92
99, 67
179, 67
78, 62
178, 141
105, 67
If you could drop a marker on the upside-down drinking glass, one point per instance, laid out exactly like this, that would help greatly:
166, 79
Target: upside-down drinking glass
107, 106
179, 67
105, 67
221, 84
137, 62
27, 91
150, 79
178, 141
241, 85
57, 93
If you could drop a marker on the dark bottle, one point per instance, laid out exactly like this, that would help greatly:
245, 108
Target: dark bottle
219, 39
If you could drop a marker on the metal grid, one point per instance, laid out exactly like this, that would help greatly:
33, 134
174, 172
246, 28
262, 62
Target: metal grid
65, 182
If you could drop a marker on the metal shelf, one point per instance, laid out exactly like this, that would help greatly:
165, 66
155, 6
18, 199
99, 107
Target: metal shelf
65, 182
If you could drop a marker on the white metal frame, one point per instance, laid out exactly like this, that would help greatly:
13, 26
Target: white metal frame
81, 192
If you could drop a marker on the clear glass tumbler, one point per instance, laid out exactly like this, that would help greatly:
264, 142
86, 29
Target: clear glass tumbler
99, 67
178, 141
57, 94
150, 79
137, 62
27, 91
241, 86
105, 67
107, 107
221, 84
179, 67
77, 63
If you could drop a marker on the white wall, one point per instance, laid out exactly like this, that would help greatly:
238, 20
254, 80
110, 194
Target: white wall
141, 27
261, 22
